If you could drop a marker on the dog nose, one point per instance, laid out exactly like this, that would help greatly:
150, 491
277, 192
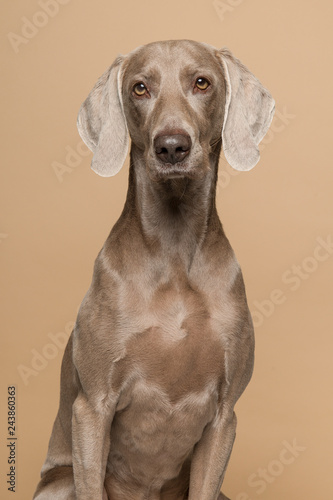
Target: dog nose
172, 148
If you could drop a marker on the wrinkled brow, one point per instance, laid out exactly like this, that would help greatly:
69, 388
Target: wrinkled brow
141, 68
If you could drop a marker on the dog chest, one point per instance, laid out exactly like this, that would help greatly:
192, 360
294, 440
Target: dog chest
153, 436
172, 343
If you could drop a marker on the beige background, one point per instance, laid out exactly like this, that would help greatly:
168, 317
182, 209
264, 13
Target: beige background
51, 227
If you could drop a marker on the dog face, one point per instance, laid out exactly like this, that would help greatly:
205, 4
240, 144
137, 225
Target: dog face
175, 99
173, 96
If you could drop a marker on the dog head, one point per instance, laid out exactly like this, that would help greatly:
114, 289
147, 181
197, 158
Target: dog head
176, 100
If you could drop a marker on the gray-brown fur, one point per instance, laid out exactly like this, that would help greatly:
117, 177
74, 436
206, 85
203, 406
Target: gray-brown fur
163, 343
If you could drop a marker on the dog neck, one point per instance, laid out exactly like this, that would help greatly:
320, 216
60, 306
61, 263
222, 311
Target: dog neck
176, 213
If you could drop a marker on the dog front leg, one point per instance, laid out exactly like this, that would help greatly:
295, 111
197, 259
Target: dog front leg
211, 456
91, 443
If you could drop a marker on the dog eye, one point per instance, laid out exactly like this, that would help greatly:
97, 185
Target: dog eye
201, 83
140, 89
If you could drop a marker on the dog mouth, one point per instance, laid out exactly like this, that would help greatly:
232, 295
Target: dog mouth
193, 166
176, 170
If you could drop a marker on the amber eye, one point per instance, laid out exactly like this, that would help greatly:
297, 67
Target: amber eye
139, 89
201, 83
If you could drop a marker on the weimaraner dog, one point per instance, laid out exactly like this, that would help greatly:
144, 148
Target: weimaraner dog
163, 343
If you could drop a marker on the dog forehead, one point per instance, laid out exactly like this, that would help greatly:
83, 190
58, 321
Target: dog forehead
173, 55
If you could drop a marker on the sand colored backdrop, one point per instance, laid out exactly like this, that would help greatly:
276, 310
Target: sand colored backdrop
56, 214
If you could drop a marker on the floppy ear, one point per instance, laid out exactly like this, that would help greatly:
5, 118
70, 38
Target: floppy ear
102, 124
249, 110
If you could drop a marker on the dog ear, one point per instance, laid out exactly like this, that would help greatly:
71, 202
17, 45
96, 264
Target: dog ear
101, 122
249, 110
